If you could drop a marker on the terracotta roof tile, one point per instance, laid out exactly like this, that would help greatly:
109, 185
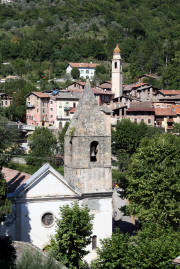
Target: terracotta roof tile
72, 110
170, 92
41, 94
165, 111
14, 178
83, 65
177, 109
143, 106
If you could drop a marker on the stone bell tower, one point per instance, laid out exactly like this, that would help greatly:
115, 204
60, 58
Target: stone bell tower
117, 73
87, 159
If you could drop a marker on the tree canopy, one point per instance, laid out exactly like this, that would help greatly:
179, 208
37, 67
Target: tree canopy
152, 247
73, 234
75, 73
153, 185
42, 146
9, 145
43, 34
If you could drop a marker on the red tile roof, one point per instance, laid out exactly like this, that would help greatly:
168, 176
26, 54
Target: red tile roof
72, 110
170, 92
143, 106
145, 109
41, 94
165, 111
105, 85
129, 87
95, 91
14, 178
98, 91
137, 85
83, 65
177, 109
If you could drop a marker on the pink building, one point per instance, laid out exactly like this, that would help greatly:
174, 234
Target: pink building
52, 111
37, 109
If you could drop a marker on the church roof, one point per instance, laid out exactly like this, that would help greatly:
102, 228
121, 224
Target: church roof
43, 170
88, 120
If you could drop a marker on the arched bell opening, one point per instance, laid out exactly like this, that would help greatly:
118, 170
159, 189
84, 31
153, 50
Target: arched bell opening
93, 151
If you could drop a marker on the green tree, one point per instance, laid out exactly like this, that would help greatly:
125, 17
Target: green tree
153, 184
9, 145
176, 128
42, 146
152, 247
7, 253
75, 73
127, 135
73, 234
18, 89
61, 137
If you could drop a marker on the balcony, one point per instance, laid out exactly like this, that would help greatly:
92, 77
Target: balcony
62, 118
67, 108
30, 106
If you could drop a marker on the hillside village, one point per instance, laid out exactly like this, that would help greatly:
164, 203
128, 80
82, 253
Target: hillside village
139, 101
90, 136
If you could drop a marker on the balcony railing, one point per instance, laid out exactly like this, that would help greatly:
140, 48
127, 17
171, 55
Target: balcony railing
30, 106
67, 108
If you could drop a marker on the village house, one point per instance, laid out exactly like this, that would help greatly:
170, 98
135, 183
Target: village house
37, 109
102, 96
5, 100
87, 70
66, 103
141, 112
165, 117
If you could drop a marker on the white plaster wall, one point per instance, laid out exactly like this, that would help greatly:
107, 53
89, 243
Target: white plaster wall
32, 229
68, 69
49, 186
31, 226
102, 224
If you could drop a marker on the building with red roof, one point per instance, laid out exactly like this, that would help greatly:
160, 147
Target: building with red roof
87, 70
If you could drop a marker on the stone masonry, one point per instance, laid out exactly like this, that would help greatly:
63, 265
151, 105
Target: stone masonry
87, 160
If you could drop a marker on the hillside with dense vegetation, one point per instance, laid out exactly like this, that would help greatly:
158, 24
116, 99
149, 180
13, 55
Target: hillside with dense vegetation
40, 37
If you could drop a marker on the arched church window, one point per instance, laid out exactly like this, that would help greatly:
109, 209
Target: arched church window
94, 242
93, 151
47, 219
115, 65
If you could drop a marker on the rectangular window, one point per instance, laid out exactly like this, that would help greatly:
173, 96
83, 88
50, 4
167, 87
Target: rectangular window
135, 120
51, 109
149, 121
51, 116
94, 242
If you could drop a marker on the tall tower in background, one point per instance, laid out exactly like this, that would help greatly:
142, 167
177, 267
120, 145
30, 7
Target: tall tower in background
117, 73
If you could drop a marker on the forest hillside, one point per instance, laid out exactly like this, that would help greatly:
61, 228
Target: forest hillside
36, 36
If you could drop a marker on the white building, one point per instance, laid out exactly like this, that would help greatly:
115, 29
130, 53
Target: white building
37, 199
87, 70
